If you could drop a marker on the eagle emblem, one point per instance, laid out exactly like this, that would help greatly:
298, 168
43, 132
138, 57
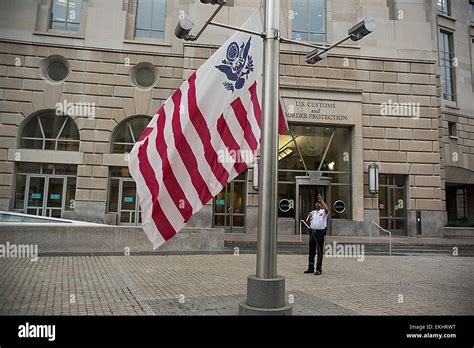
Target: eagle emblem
237, 65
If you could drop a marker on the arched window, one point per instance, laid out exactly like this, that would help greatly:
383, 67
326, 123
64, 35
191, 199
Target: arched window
48, 131
127, 133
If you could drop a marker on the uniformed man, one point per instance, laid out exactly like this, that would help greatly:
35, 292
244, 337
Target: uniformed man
318, 225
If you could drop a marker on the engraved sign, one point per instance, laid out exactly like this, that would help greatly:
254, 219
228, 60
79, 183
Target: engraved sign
322, 111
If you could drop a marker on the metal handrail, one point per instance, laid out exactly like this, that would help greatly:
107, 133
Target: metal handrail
302, 221
383, 229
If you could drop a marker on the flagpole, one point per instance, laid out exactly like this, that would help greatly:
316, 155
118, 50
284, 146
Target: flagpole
266, 290
267, 215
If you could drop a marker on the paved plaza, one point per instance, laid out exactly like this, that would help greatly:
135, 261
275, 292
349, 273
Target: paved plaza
215, 284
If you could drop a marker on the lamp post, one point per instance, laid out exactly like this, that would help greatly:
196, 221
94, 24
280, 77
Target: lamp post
265, 289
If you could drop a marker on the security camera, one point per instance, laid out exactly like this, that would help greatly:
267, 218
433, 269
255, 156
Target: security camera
183, 28
362, 29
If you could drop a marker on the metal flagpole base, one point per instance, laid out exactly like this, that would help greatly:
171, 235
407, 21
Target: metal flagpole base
265, 297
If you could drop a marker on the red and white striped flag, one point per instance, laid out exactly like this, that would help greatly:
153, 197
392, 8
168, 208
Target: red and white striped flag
202, 137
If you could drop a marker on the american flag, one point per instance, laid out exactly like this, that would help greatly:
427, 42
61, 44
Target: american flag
202, 137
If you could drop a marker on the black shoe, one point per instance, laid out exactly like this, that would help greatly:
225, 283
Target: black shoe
318, 272
309, 270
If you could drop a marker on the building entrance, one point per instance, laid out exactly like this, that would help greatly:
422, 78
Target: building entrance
45, 189
392, 203
229, 206
307, 190
123, 197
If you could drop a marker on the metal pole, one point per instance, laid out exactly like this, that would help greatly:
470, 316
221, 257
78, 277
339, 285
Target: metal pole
265, 289
302, 43
194, 38
317, 53
267, 213
222, 25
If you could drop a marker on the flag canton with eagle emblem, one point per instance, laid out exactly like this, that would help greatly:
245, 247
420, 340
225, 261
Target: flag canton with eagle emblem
237, 65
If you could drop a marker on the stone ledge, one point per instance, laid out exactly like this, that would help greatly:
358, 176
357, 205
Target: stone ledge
457, 232
45, 156
63, 238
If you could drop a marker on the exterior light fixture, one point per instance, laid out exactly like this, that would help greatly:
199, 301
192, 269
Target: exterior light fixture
316, 56
362, 29
183, 28
255, 175
185, 24
373, 178
355, 33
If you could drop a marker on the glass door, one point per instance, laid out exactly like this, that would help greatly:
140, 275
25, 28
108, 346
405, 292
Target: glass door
46, 195
229, 206
237, 208
35, 195
392, 203
129, 213
222, 208
55, 196
45, 189
123, 200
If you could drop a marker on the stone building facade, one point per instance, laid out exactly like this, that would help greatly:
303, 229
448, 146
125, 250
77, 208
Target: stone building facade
76, 91
454, 25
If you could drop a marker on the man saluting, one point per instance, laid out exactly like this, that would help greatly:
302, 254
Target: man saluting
318, 225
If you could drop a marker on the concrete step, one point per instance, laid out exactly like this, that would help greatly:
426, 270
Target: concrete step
447, 245
368, 251
459, 232
377, 248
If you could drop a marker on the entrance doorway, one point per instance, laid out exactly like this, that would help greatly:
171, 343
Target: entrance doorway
307, 190
123, 197
392, 203
129, 209
45, 195
229, 206
45, 189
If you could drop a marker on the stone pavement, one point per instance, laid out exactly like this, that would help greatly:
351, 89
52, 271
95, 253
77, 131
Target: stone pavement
215, 284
